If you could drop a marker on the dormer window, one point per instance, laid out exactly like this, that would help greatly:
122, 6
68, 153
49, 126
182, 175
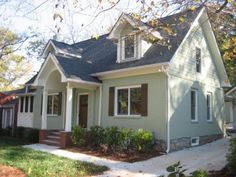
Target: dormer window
129, 47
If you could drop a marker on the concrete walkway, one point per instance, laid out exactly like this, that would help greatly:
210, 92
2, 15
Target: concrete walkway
211, 156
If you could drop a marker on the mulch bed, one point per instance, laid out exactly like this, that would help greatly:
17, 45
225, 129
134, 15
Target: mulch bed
117, 156
222, 173
6, 171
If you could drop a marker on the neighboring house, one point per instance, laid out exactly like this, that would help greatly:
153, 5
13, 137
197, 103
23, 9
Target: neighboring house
121, 79
8, 110
26, 106
230, 99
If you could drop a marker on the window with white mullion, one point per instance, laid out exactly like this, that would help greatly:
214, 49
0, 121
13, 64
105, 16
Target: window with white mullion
128, 101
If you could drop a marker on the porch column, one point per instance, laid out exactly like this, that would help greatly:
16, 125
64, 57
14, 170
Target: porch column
234, 114
44, 109
68, 108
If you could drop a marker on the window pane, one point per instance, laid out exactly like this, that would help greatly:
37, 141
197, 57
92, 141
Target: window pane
31, 103
122, 102
49, 107
198, 59
21, 104
129, 47
135, 101
193, 105
26, 103
55, 104
208, 107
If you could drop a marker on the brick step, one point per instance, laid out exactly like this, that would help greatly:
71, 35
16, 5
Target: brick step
53, 137
55, 133
51, 142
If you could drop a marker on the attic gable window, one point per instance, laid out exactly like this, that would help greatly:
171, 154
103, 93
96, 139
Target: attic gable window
129, 46
198, 59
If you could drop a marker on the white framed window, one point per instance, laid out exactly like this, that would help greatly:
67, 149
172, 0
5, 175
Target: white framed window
26, 104
129, 44
198, 59
129, 48
194, 105
209, 106
53, 104
128, 101
194, 141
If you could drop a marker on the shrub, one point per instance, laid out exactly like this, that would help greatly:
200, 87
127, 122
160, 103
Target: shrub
78, 136
177, 170
143, 140
112, 135
97, 135
30, 135
231, 157
20, 132
5, 132
126, 139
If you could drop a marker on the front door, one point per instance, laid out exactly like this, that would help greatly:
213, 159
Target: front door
83, 110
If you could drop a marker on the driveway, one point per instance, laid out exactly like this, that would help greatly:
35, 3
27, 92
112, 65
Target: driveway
211, 156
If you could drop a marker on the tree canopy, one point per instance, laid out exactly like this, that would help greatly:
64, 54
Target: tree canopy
12, 66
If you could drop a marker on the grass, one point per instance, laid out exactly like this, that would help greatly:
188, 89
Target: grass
37, 164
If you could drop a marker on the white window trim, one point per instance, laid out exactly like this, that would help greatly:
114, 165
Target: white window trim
116, 104
24, 105
52, 115
4, 119
136, 47
196, 103
197, 141
210, 94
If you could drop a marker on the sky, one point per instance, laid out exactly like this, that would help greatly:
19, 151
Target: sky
81, 19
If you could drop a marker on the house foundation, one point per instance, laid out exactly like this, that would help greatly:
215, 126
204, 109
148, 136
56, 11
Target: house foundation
185, 142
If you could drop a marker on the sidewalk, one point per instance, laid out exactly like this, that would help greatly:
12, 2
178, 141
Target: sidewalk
211, 156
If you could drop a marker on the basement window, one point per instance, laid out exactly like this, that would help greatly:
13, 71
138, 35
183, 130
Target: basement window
194, 141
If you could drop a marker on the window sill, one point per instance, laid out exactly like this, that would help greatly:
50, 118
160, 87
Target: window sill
127, 116
209, 121
52, 115
194, 121
128, 59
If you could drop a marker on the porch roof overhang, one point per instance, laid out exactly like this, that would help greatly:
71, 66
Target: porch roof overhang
231, 94
64, 76
133, 71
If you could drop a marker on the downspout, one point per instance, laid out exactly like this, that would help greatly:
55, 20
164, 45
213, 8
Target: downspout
168, 114
100, 106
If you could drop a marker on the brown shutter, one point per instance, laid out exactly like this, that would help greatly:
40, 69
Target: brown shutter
111, 101
144, 99
60, 103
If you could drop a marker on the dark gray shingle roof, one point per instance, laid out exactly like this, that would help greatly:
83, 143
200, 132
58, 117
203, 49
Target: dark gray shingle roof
100, 55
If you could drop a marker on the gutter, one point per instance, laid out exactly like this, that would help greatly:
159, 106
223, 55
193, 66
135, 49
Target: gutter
100, 106
168, 114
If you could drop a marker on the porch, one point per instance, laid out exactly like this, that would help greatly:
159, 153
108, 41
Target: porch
65, 103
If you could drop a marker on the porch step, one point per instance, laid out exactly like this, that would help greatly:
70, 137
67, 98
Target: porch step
53, 138
54, 133
51, 142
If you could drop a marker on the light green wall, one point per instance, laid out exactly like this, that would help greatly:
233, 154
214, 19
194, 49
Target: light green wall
180, 109
37, 108
155, 121
183, 77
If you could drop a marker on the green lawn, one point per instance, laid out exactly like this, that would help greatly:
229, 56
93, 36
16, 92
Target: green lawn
36, 163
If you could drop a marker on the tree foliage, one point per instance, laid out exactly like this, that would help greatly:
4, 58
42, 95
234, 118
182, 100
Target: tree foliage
12, 66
